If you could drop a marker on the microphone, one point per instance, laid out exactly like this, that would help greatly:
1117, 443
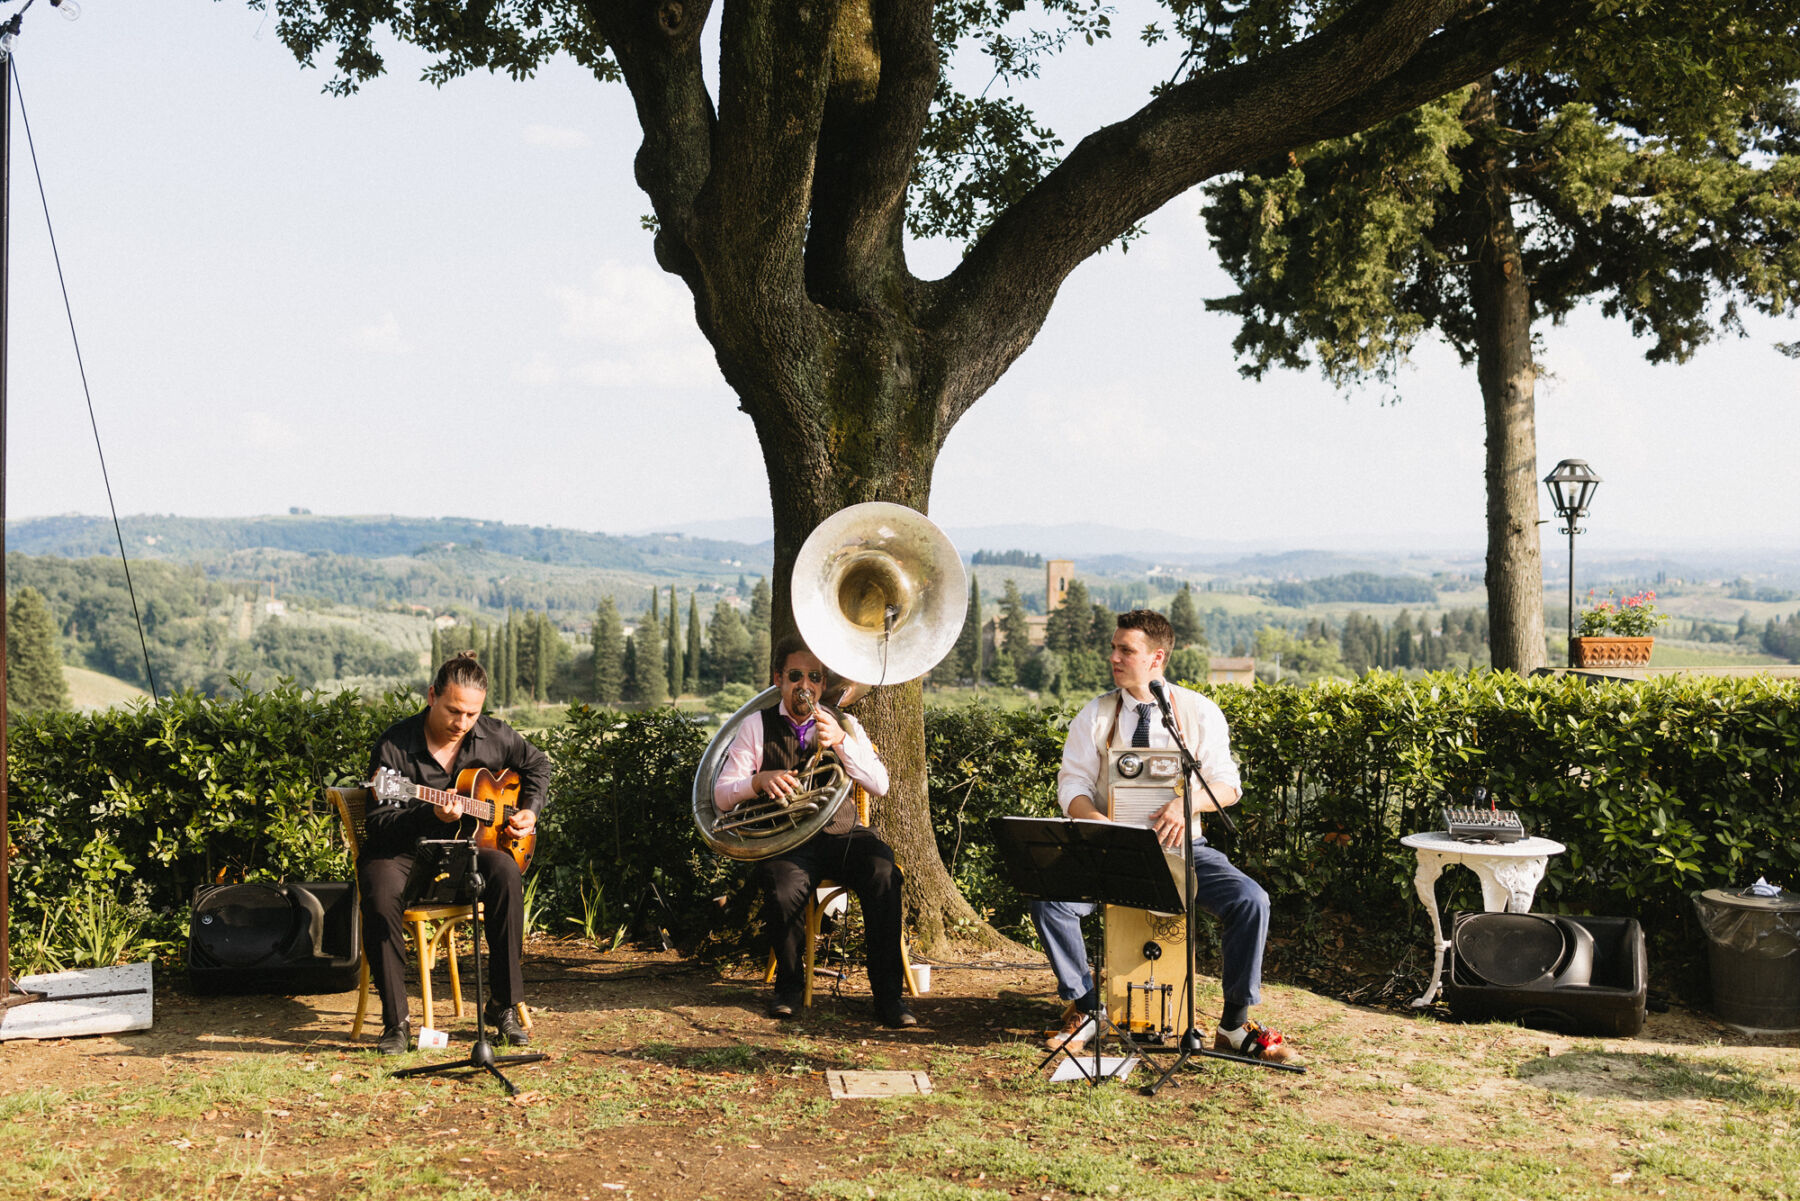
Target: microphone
1156, 690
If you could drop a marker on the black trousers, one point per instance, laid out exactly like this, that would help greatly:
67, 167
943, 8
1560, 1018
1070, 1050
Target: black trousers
864, 862
385, 936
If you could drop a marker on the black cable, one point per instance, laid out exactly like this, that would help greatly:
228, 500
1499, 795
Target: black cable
69, 312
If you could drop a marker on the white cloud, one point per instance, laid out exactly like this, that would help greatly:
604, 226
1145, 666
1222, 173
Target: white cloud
629, 305
384, 336
554, 137
653, 368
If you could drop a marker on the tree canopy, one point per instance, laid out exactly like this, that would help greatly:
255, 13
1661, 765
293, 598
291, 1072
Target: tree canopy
1651, 166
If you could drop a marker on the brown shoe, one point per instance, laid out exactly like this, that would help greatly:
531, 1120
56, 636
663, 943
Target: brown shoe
1254, 1041
1073, 1034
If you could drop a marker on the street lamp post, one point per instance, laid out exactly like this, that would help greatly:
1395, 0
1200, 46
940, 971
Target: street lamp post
1572, 485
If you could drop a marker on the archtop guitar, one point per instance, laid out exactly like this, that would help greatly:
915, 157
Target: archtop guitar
488, 799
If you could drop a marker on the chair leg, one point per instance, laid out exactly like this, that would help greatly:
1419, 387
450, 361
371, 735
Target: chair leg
427, 954
815, 917
455, 972
769, 976
362, 996
912, 985
524, 1015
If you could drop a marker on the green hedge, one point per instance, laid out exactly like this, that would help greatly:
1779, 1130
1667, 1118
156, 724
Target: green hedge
1657, 788
143, 804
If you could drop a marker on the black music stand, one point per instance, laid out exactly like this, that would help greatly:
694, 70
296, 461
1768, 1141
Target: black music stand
1070, 859
447, 872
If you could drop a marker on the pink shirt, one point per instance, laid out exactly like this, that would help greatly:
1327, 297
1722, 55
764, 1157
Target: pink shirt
744, 759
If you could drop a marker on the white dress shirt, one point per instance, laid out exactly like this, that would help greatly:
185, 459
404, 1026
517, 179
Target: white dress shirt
744, 759
1203, 728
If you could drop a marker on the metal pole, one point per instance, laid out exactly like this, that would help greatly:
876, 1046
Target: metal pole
1571, 592
6, 976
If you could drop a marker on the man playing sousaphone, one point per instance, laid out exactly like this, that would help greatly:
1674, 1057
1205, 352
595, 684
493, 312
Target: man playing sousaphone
763, 760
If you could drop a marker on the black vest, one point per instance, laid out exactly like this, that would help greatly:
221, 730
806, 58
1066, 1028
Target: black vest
781, 750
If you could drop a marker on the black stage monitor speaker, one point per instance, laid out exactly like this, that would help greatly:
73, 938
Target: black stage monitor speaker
1578, 975
293, 938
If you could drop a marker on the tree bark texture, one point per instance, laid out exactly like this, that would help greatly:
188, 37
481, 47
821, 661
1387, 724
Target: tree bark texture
1500, 296
783, 211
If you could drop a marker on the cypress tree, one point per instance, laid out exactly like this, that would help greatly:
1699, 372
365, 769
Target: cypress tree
967, 655
691, 682
512, 659
677, 671
546, 659
762, 608
1185, 619
652, 685
609, 654
727, 648
1071, 623
1017, 630
34, 672
629, 661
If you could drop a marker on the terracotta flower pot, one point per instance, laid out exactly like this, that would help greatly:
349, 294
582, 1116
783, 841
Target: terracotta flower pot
1611, 650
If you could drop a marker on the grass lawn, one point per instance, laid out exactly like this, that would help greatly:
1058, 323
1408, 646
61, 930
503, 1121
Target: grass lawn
666, 1081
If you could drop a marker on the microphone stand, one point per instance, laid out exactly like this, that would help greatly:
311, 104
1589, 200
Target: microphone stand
481, 1055
1192, 1043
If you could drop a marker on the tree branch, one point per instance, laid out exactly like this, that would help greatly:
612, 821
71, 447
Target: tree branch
657, 46
1378, 60
884, 66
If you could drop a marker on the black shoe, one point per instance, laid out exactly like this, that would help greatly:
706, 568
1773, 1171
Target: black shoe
897, 1014
506, 1025
784, 1005
395, 1040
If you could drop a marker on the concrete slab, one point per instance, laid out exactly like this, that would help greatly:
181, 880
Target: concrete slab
129, 1005
849, 1085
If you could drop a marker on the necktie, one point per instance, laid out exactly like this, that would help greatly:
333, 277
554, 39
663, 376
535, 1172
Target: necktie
1141, 735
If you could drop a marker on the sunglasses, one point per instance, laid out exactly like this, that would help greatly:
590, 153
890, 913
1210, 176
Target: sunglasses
795, 675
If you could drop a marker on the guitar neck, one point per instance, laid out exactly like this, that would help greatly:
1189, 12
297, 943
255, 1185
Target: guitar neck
442, 797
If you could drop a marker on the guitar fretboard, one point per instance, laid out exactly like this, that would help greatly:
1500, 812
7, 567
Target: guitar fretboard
442, 797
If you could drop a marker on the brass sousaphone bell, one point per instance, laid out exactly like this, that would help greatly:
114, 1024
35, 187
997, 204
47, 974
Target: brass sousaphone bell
879, 594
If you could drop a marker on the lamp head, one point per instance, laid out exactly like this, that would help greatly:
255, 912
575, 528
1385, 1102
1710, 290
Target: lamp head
1572, 485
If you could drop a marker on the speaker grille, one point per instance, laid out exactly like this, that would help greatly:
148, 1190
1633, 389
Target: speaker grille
1509, 950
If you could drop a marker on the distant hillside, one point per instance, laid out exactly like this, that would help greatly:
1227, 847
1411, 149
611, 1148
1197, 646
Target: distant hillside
92, 690
205, 539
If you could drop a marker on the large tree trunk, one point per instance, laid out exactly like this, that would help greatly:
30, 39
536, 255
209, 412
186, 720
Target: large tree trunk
806, 487
1501, 298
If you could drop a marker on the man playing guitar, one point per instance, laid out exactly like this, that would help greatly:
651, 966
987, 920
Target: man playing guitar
432, 748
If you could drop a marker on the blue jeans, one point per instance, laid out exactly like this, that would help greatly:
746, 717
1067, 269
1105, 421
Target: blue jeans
1237, 901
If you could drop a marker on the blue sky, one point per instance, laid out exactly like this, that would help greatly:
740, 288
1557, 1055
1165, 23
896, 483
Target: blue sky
432, 302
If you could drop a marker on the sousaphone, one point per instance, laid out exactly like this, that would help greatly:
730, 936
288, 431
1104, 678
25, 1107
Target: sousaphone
879, 594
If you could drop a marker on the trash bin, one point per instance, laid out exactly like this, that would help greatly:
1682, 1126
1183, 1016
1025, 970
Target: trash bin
1754, 946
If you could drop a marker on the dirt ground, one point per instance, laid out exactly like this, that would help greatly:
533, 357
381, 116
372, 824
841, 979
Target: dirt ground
630, 1034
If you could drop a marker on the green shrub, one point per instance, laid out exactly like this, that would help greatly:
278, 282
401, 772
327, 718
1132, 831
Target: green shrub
151, 801
621, 814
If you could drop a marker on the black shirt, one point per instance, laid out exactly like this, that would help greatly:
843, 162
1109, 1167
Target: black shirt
394, 826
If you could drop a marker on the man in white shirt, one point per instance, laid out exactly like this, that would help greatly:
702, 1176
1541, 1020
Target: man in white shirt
1129, 716
762, 761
